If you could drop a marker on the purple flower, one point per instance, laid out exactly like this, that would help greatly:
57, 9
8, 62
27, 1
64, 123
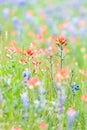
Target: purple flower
2, 2
22, 2
15, 22
38, 30
6, 14
26, 75
25, 100
41, 103
30, 19
71, 115
0, 29
41, 90
18, 24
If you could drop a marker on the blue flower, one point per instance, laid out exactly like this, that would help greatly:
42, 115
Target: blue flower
0, 29
22, 2
26, 75
2, 2
25, 100
75, 88
6, 14
17, 24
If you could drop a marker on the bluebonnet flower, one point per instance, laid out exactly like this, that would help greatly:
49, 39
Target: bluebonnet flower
55, 30
72, 30
72, 114
2, 2
18, 25
40, 104
61, 101
0, 29
29, 19
75, 21
6, 14
15, 22
13, 3
82, 32
22, 2
26, 75
38, 30
61, 94
50, 22
75, 88
76, 4
25, 100
32, 2
41, 90
59, 104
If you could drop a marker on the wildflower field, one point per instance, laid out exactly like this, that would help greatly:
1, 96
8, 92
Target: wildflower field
43, 65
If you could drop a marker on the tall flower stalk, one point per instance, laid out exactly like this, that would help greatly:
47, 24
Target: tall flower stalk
51, 66
61, 42
61, 57
51, 70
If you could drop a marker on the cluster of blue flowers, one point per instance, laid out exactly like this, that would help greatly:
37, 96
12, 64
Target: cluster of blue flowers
26, 76
25, 101
75, 88
40, 103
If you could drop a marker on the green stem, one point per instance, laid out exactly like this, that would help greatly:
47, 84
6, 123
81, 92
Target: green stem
72, 73
61, 57
51, 70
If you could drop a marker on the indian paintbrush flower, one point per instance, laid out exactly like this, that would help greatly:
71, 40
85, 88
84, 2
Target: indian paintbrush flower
61, 41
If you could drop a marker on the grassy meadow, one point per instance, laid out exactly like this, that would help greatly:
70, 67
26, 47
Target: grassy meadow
43, 65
